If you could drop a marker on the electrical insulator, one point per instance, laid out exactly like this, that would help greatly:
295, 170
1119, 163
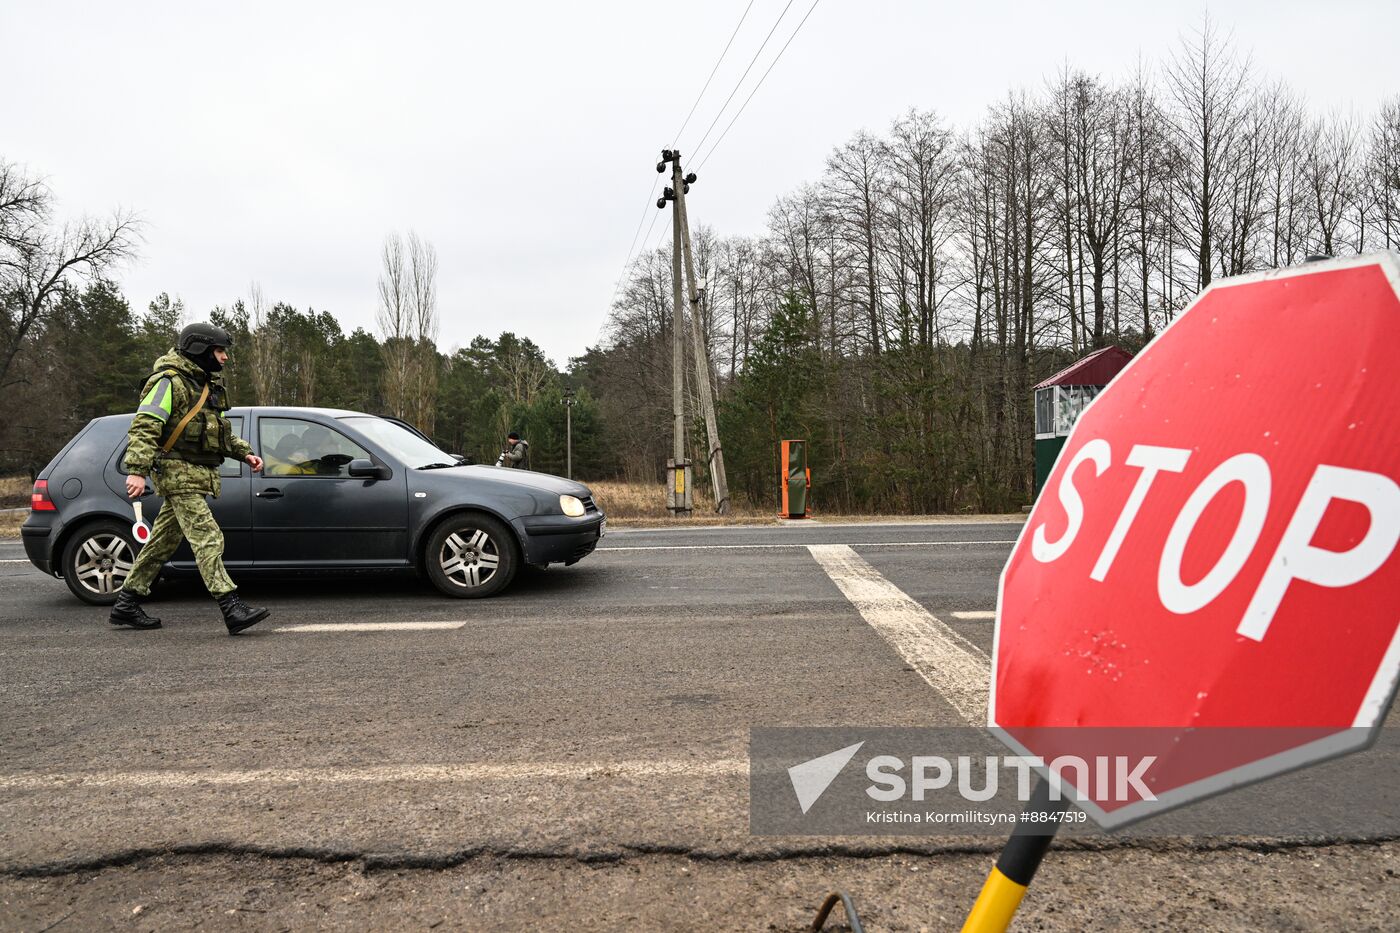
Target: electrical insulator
660, 167
687, 189
690, 179
660, 202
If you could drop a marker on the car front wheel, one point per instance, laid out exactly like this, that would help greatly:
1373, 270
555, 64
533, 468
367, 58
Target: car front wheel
97, 560
471, 556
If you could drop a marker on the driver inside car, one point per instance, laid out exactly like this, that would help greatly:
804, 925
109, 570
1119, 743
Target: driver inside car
290, 458
318, 446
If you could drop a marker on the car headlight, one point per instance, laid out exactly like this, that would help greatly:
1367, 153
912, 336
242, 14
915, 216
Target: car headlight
572, 506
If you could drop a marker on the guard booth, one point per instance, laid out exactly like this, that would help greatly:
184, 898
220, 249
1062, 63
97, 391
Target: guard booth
794, 479
1060, 399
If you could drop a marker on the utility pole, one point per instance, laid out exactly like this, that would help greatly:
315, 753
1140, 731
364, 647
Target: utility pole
678, 494
569, 433
718, 480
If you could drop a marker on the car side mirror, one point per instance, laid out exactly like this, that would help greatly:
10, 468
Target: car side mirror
463, 459
368, 469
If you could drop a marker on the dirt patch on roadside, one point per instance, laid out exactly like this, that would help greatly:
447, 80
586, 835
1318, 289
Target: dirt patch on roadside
1337, 887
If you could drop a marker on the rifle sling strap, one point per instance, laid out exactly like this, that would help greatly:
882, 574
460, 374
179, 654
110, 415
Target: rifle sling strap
170, 441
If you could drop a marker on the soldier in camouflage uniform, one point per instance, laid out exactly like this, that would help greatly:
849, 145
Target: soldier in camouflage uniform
185, 469
516, 454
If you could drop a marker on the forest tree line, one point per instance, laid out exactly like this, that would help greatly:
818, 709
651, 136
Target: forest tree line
898, 310
895, 313
92, 352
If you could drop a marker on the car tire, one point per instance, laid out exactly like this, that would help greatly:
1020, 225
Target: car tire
471, 556
96, 561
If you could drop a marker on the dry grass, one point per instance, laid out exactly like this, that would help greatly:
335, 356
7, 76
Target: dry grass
14, 494
14, 491
639, 505
10, 522
644, 504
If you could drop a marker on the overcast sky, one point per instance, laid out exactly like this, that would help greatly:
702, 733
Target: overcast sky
278, 143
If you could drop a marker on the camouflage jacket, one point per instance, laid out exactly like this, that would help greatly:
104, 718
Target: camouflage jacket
192, 465
517, 456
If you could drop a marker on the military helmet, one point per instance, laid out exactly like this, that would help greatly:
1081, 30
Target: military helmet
196, 339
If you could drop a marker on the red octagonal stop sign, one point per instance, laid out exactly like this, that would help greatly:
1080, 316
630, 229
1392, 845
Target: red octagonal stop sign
1216, 545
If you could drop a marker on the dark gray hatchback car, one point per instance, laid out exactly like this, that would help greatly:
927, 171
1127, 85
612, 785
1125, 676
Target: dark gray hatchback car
340, 490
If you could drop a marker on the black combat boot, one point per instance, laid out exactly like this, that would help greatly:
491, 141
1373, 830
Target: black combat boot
238, 615
127, 611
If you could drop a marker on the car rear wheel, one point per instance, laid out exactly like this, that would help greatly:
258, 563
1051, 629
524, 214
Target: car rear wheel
471, 556
97, 560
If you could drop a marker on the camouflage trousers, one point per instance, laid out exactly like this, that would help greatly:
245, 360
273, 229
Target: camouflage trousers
185, 516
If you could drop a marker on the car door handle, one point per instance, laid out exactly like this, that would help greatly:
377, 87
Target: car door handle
273, 493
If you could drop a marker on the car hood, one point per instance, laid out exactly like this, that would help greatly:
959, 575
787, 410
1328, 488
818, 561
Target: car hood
541, 482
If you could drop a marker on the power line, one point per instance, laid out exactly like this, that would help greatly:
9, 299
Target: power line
675, 140
646, 246
651, 196
740, 82
632, 249
646, 240
756, 87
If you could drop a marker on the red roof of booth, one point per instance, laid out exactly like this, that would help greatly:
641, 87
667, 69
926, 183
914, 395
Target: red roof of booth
1096, 369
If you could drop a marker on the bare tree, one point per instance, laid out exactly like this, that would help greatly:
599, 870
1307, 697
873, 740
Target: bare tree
1328, 166
1091, 131
262, 362
1242, 189
39, 260
395, 320
1285, 198
924, 184
858, 179
422, 372
1150, 162
1382, 184
1208, 85
24, 203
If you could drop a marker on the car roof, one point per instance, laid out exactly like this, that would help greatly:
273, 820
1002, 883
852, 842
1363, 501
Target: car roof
275, 410
292, 410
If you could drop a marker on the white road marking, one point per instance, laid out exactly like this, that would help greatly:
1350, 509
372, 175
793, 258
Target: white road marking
377, 774
952, 665
974, 615
744, 547
370, 626
793, 523
14, 560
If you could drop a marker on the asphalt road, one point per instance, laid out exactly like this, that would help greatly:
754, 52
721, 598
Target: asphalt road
569, 755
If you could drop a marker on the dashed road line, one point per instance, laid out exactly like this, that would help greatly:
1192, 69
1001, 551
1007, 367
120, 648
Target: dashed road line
381, 774
975, 615
322, 627
951, 664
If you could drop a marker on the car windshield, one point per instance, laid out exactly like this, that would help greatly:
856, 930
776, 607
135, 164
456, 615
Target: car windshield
400, 442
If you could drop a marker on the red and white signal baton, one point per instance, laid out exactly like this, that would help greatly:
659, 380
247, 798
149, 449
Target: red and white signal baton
139, 529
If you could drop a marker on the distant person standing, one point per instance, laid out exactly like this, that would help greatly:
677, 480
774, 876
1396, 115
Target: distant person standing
179, 437
517, 453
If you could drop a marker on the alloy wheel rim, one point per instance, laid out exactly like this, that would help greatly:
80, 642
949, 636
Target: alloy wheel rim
103, 563
469, 558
